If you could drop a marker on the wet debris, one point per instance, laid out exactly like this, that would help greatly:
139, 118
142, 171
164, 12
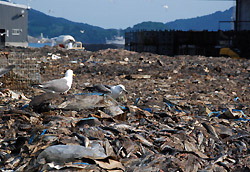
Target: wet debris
180, 114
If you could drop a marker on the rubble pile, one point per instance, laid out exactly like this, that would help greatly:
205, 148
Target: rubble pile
183, 113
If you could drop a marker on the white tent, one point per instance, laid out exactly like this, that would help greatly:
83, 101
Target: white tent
64, 39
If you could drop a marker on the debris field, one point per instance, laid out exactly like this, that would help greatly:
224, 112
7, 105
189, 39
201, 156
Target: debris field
183, 113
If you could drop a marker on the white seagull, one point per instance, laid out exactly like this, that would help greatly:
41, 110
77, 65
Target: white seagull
165, 6
61, 85
113, 91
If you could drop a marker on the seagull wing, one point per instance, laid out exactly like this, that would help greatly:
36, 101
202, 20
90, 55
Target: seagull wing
57, 85
99, 88
103, 88
108, 86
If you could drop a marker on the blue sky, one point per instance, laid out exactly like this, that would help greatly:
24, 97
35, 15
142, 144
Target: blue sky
120, 14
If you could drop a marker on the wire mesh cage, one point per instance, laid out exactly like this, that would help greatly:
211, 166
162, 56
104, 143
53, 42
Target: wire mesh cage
25, 73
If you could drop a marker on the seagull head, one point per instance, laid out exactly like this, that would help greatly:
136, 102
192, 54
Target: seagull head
69, 73
121, 88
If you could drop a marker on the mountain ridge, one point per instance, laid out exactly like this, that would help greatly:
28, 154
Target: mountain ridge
214, 19
54, 26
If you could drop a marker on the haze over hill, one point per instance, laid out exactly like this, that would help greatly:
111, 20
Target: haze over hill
51, 26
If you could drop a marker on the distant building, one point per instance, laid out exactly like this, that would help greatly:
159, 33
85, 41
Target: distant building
242, 15
13, 24
173, 42
206, 43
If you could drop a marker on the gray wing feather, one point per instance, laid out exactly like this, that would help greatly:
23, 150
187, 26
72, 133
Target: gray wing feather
57, 85
100, 88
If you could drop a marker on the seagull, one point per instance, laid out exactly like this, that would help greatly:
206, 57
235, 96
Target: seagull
6, 69
165, 6
113, 91
61, 85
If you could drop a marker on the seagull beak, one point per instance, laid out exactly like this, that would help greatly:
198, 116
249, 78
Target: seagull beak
125, 91
74, 74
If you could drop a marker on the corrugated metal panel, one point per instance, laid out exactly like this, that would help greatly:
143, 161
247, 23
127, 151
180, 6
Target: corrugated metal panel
14, 20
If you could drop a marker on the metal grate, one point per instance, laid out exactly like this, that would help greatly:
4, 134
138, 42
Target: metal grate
25, 73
